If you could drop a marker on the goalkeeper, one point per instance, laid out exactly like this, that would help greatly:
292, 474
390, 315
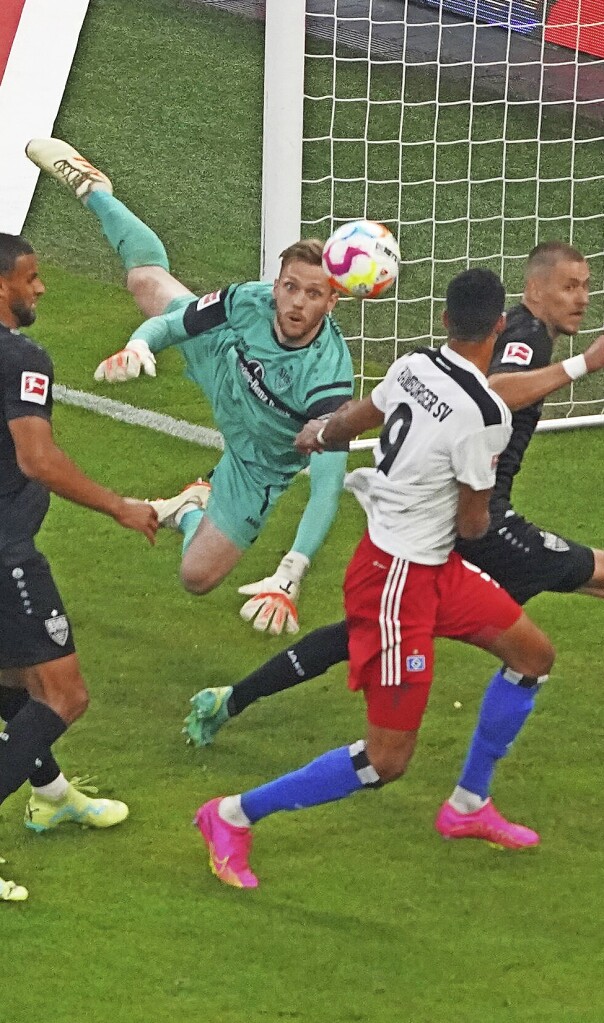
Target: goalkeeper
268, 357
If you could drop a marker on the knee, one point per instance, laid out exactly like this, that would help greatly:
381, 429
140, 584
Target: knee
195, 580
67, 696
69, 703
542, 658
391, 761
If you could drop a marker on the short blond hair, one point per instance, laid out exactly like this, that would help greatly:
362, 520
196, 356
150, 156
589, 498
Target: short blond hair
309, 250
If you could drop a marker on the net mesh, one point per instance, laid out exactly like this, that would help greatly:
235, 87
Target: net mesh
472, 143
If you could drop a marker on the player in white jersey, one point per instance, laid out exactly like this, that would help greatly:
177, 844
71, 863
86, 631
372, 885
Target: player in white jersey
443, 431
438, 417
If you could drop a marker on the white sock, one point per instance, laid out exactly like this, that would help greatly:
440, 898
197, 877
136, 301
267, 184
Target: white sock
55, 790
465, 801
229, 809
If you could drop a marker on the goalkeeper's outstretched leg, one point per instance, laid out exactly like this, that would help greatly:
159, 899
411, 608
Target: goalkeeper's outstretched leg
142, 253
267, 356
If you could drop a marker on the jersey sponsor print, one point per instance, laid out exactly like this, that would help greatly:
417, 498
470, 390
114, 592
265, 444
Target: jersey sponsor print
442, 426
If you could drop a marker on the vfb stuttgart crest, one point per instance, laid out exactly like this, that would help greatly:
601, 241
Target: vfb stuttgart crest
58, 629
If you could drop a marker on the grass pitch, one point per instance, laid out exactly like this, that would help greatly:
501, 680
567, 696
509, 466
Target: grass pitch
363, 913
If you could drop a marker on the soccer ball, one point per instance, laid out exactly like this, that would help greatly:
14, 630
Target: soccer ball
361, 258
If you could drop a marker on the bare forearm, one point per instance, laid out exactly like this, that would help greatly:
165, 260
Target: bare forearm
521, 389
63, 477
352, 419
474, 529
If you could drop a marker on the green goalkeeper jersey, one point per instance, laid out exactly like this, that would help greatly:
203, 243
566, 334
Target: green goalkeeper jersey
262, 392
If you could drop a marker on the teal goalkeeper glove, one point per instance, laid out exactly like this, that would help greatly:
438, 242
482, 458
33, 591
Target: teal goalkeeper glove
272, 607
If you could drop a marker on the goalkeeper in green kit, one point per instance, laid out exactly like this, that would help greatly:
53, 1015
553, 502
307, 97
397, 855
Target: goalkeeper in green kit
268, 357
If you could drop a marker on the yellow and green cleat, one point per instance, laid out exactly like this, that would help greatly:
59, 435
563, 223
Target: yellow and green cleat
76, 807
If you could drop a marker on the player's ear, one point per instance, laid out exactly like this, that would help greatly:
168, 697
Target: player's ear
500, 325
445, 319
531, 288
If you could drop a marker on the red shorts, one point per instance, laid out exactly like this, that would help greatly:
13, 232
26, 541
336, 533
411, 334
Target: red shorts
395, 608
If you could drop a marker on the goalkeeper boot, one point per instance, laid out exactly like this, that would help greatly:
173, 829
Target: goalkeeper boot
66, 165
228, 846
486, 823
77, 806
171, 509
11, 892
210, 712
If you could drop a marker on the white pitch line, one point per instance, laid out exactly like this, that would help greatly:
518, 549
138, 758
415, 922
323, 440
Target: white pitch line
124, 413
208, 438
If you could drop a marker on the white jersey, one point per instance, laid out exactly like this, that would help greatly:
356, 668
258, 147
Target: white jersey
443, 425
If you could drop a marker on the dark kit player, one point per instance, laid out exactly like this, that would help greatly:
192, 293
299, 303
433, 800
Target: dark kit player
41, 689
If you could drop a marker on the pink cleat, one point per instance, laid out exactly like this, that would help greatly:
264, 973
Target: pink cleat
486, 823
228, 846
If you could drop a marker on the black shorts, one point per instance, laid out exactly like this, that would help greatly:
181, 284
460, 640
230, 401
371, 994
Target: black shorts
34, 628
526, 560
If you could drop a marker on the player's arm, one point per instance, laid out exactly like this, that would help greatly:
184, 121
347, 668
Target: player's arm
272, 602
326, 482
160, 332
519, 389
355, 417
473, 516
39, 458
474, 460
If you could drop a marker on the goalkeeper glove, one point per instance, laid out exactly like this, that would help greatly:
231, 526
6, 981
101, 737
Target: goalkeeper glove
273, 600
127, 364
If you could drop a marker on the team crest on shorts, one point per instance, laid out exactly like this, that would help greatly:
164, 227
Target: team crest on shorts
58, 629
416, 662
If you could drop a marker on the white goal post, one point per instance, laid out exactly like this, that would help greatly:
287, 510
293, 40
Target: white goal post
471, 142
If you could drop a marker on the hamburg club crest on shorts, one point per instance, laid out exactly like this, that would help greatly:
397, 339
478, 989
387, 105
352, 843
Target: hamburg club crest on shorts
57, 628
416, 662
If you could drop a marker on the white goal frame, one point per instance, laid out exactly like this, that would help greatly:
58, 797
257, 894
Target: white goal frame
283, 146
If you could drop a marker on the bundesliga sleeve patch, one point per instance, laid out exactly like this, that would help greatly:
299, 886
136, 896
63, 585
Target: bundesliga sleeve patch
518, 353
211, 299
205, 313
34, 387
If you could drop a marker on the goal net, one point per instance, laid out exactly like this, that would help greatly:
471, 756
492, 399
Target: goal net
471, 141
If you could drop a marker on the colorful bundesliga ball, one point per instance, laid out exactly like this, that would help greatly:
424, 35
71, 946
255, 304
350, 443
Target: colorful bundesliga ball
361, 258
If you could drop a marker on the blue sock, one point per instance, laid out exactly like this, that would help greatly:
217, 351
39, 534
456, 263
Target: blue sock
135, 243
330, 777
505, 708
188, 526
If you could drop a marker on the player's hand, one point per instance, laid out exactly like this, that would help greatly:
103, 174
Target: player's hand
138, 515
306, 441
594, 355
127, 364
272, 607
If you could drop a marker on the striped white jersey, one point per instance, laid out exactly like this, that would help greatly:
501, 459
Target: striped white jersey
442, 426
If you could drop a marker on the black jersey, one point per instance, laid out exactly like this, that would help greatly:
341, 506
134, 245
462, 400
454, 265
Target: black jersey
26, 376
524, 345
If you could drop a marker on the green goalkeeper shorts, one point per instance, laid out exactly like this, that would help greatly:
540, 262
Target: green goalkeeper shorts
243, 493
241, 499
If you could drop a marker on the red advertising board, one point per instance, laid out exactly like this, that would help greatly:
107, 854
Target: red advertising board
578, 24
11, 13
